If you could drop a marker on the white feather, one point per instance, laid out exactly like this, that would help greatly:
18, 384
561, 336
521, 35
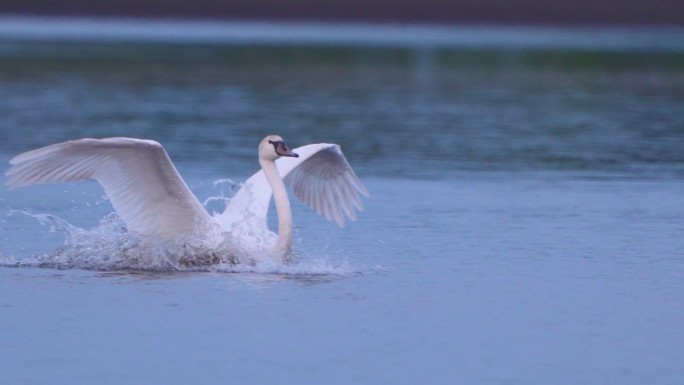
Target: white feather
137, 175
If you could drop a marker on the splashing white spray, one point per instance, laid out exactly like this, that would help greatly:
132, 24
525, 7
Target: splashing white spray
110, 247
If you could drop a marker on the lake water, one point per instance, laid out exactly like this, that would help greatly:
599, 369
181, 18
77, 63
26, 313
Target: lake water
524, 227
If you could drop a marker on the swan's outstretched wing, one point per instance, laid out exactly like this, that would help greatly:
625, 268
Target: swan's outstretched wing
321, 177
141, 182
325, 181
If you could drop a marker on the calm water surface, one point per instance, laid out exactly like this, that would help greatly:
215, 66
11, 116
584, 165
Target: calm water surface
525, 224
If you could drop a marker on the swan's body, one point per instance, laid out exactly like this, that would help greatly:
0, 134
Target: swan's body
150, 196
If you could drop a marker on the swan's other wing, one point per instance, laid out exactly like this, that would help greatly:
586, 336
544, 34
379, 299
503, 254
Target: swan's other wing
322, 178
137, 175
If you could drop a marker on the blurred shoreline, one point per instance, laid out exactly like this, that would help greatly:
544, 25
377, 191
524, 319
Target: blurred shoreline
413, 36
522, 12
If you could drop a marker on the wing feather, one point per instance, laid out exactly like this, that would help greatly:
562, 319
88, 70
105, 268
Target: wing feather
320, 177
137, 175
325, 181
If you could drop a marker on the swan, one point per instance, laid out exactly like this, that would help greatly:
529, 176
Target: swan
151, 197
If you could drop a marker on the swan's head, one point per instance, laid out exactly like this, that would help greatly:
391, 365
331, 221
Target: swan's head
273, 147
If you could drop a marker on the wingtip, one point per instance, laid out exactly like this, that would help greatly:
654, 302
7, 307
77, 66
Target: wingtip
340, 222
14, 181
11, 183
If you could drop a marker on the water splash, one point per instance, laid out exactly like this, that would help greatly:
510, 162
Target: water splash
110, 247
217, 203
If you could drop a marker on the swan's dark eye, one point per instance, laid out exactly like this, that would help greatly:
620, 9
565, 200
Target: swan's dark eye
275, 144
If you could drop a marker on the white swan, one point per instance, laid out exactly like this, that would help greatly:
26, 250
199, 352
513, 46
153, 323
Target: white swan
150, 196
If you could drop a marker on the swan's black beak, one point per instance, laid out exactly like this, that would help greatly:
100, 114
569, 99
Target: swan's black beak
282, 149
289, 153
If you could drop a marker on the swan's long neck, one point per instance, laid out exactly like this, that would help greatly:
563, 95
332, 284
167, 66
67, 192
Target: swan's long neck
283, 246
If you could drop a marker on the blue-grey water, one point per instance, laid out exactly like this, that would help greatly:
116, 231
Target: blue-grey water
524, 227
